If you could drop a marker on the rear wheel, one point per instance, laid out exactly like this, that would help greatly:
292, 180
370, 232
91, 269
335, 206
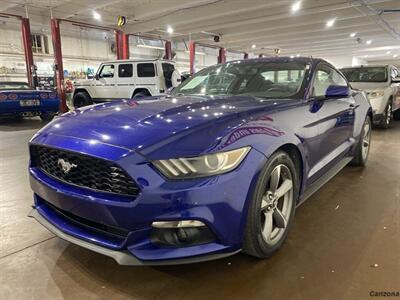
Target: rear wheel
82, 99
272, 208
47, 117
362, 150
140, 94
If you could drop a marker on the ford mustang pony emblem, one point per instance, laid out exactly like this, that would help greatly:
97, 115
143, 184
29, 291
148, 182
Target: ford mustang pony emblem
65, 165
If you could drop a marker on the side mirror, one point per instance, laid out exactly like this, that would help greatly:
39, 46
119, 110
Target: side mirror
337, 91
97, 76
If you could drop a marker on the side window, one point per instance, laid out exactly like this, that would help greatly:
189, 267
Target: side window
125, 70
325, 77
146, 70
106, 71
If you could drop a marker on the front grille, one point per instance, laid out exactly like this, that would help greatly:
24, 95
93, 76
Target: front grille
84, 171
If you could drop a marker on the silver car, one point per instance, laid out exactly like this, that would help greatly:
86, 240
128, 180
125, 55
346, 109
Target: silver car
382, 85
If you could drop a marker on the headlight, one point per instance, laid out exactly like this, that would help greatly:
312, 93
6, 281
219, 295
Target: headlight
207, 165
376, 94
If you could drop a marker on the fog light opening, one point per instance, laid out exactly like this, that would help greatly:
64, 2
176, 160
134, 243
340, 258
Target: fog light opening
180, 233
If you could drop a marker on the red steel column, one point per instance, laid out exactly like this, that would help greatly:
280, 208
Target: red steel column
192, 56
221, 56
59, 69
27, 41
168, 50
246, 56
125, 45
118, 43
122, 44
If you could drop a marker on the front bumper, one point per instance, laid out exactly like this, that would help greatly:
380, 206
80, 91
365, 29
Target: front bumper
219, 202
122, 257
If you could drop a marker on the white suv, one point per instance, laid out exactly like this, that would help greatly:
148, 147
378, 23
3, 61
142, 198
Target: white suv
382, 85
126, 79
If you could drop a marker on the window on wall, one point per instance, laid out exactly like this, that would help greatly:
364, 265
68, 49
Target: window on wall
146, 70
40, 43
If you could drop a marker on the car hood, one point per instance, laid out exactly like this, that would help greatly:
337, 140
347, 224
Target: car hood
369, 86
139, 124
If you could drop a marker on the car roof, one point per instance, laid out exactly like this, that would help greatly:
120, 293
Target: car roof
302, 59
365, 66
136, 61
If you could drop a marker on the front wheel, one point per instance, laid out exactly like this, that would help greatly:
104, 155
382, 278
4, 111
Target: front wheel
387, 116
362, 149
271, 210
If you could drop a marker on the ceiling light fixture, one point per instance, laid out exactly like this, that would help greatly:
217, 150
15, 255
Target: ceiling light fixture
298, 55
253, 46
96, 15
170, 30
353, 34
368, 42
330, 22
388, 52
296, 6
395, 55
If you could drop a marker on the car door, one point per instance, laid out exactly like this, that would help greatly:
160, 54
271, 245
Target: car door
394, 77
335, 119
105, 82
125, 84
146, 73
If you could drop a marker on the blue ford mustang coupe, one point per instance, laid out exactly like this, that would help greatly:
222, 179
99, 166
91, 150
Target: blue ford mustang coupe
18, 99
216, 167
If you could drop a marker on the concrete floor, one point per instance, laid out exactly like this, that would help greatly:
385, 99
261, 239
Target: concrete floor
344, 243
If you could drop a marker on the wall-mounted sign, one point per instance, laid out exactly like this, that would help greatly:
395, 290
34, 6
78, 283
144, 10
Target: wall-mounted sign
121, 21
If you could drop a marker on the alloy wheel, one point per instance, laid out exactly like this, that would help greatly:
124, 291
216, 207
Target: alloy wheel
276, 204
388, 115
366, 139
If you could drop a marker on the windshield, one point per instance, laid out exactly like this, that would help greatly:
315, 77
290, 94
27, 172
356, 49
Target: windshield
366, 74
14, 86
254, 78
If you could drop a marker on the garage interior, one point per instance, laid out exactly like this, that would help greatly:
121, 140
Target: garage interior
344, 240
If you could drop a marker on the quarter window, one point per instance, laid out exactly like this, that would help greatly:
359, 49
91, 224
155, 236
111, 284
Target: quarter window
107, 71
125, 70
146, 70
325, 77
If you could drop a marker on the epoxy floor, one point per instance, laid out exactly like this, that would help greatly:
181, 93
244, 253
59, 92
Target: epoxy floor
345, 243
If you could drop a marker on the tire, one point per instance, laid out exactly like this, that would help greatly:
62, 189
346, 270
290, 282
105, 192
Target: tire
262, 209
396, 114
82, 99
387, 116
47, 117
141, 94
363, 146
